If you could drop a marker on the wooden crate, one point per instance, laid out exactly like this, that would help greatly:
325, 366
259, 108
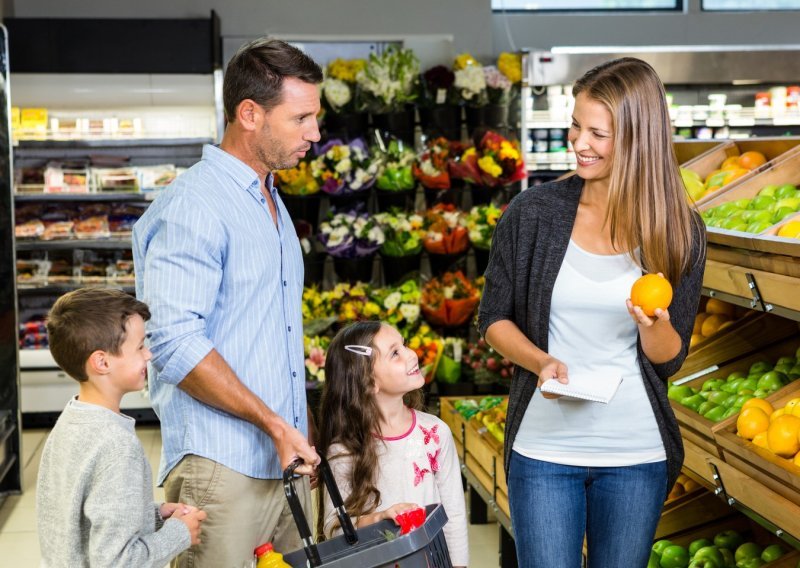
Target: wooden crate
773, 149
776, 289
454, 419
699, 430
778, 474
484, 458
749, 333
688, 150
769, 241
696, 508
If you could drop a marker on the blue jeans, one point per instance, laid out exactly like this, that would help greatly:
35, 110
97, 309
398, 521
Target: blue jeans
553, 505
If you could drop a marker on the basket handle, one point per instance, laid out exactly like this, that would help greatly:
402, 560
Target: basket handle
309, 545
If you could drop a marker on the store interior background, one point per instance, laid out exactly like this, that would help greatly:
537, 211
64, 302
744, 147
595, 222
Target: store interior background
439, 29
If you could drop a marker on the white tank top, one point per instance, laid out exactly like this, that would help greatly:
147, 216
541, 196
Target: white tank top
592, 332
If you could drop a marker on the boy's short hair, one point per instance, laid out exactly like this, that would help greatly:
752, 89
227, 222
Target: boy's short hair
87, 320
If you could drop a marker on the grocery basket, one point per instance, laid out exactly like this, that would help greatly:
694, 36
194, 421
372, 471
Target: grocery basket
424, 547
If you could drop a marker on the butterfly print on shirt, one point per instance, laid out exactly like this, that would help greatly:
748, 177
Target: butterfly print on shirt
430, 434
419, 474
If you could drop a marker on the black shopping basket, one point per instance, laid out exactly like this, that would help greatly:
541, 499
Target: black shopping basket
424, 547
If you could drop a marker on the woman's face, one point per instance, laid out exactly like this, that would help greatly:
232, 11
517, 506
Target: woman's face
592, 138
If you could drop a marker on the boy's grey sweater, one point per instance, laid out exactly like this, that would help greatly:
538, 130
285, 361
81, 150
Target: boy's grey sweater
94, 497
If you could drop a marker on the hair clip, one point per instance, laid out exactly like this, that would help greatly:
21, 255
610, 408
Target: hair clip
359, 350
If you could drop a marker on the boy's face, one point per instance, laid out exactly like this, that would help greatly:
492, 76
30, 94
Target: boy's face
129, 368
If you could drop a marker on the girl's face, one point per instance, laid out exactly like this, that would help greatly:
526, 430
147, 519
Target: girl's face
396, 367
592, 138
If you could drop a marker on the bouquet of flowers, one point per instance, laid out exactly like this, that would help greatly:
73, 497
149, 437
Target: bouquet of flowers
510, 65
341, 168
481, 221
432, 167
446, 232
449, 301
340, 89
495, 162
388, 82
436, 86
297, 180
470, 80
314, 305
350, 235
487, 364
428, 347
399, 305
498, 86
315, 349
449, 369
352, 302
403, 233
394, 173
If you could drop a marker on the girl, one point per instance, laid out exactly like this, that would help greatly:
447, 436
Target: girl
385, 454
556, 303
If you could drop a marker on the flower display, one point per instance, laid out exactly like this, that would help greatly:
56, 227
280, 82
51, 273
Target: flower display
449, 300
498, 86
510, 65
495, 162
428, 347
352, 302
446, 231
437, 86
341, 168
470, 81
481, 222
388, 81
403, 233
350, 235
431, 168
314, 305
315, 349
399, 306
395, 170
449, 368
487, 365
297, 180
339, 89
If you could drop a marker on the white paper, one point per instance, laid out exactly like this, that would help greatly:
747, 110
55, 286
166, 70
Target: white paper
585, 386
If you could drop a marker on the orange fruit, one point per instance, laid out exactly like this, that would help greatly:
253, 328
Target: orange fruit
796, 459
759, 403
790, 230
789, 407
730, 163
760, 440
776, 414
751, 422
696, 338
712, 324
782, 436
715, 306
752, 160
698, 321
651, 292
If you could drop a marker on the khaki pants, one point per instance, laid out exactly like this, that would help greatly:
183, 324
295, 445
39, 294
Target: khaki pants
243, 512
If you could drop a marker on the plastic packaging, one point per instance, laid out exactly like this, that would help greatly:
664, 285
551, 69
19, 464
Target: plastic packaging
268, 558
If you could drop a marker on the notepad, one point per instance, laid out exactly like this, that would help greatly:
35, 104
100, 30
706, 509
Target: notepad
585, 386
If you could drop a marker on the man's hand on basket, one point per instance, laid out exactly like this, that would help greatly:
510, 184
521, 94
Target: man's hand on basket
291, 444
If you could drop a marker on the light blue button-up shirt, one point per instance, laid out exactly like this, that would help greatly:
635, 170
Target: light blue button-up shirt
217, 274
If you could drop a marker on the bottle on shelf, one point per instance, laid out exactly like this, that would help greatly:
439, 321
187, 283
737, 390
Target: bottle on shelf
267, 557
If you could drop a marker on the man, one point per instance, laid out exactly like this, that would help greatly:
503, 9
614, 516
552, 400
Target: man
219, 263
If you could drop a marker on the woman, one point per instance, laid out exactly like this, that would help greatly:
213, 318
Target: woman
556, 302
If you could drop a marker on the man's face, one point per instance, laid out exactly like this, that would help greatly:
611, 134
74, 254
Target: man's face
290, 128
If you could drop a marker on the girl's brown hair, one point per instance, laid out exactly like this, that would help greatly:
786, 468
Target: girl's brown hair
647, 205
350, 416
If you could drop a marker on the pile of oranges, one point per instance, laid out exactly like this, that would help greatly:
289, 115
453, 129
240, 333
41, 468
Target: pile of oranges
716, 316
775, 430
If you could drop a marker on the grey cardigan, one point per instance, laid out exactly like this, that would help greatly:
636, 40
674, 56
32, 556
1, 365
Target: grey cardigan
528, 247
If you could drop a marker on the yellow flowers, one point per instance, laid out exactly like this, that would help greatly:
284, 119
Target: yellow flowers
508, 150
346, 69
510, 65
297, 180
464, 60
488, 165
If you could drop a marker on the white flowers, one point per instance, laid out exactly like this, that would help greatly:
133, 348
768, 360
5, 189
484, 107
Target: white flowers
389, 79
410, 312
392, 300
337, 93
471, 81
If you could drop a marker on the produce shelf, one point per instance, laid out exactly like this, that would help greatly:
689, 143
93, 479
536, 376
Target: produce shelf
116, 197
71, 244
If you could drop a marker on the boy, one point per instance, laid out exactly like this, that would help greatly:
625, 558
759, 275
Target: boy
94, 497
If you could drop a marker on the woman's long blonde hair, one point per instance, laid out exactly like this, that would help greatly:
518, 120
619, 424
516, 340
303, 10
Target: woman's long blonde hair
647, 205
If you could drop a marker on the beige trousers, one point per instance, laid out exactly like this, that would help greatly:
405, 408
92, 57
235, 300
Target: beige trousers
243, 512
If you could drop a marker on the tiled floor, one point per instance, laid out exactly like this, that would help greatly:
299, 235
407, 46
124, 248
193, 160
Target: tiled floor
19, 544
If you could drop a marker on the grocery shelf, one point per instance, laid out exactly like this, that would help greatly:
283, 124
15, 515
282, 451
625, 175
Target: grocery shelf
116, 197
108, 142
63, 288
71, 244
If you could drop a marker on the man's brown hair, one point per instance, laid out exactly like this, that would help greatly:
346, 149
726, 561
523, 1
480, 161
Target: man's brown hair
257, 72
87, 320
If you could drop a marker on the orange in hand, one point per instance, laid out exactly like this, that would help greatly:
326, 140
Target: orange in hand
650, 292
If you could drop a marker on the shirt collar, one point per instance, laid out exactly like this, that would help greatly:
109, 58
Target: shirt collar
244, 176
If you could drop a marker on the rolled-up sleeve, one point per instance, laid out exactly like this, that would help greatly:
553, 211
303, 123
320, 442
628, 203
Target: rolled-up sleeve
182, 274
497, 301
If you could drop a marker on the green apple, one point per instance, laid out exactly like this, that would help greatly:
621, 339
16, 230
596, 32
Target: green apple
743, 203
741, 399
694, 401
762, 202
783, 368
653, 561
772, 552
716, 222
678, 392
660, 545
708, 557
748, 384
786, 359
758, 227
768, 190
693, 183
747, 550
674, 556
790, 202
734, 221
728, 209
718, 397
780, 214
750, 563
773, 380
761, 216
760, 393
760, 367
794, 373
786, 190
715, 414
727, 555
729, 539
711, 384
703, 409
731, 411
696, 545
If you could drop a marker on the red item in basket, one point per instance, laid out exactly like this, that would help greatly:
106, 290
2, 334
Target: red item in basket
410, 520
